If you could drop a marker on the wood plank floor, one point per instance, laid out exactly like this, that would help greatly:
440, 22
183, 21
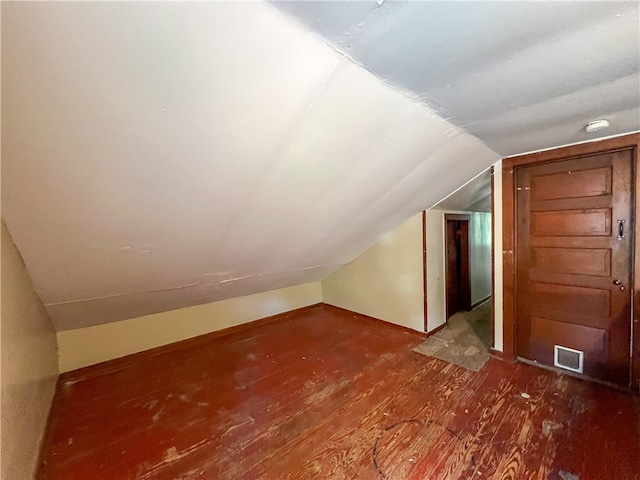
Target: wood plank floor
326, 394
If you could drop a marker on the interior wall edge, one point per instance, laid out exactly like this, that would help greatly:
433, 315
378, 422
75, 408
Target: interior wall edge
385, 282
91, 345
29, 366
435, 239
498, 313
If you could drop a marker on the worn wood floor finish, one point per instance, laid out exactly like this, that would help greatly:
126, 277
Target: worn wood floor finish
325, 394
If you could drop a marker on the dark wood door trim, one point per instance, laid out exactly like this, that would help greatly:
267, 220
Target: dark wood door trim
509, 166
493, 266
457, 216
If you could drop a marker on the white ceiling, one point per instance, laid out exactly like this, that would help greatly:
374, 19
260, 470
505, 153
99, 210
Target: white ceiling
520, 76
473, 196
159, 155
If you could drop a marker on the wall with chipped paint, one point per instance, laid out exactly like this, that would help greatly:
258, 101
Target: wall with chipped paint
90, 345
29, 366
385, 282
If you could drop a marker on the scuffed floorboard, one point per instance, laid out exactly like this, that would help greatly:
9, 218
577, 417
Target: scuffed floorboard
326, 394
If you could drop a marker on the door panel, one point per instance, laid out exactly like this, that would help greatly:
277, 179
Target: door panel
587, 339
567, 301
574, 261
573, 272
562, 223
583, 183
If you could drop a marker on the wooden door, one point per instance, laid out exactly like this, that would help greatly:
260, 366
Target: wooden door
573, 279
458, 280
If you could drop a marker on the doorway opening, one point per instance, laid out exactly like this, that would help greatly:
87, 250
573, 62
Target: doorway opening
469, 312
458, 258
458, 279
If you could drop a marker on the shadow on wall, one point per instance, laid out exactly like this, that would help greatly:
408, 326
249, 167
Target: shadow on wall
29, 366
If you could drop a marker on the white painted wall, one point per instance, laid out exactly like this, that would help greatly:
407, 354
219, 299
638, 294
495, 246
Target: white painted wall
386, 282
497, 255
29, 366
90, 345
436, 299
480, 255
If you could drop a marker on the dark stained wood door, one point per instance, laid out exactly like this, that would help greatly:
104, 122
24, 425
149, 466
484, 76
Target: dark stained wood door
574, 241
458, 280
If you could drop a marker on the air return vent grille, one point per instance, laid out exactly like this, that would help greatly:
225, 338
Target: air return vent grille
568, 358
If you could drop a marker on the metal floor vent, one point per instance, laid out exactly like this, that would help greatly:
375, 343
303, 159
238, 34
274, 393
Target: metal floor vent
568, 358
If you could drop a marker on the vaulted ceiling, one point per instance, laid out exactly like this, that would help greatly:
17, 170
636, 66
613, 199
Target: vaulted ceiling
159, 155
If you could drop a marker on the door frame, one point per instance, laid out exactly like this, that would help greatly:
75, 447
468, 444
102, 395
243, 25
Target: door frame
509, 167
461, 217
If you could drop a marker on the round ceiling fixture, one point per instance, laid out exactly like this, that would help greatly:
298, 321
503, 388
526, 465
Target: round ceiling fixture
596, 125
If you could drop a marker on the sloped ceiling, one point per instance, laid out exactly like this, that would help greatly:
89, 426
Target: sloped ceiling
473, 196
159, 155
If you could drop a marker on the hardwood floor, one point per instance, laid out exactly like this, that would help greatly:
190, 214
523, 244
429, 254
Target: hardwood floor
326, 394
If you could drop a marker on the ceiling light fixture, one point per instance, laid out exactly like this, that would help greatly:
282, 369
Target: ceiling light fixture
596, 125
